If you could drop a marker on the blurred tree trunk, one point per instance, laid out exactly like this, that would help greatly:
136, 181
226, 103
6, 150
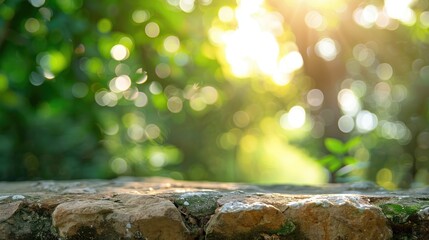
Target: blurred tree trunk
326, 75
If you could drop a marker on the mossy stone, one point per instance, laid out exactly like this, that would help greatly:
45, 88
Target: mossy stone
287, 228
400, 212
198, 204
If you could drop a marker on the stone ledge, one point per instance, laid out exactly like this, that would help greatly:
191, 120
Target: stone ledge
160, 208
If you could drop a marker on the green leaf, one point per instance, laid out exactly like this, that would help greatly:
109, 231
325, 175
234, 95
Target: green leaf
328, 160
334, 166
335, 146
350, 160
353, 143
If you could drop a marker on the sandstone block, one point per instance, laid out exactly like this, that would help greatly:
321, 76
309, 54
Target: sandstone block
338, 217
239, 220
124, 217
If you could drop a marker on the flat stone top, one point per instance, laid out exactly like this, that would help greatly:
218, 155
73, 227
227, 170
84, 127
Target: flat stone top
159, 185
163, 208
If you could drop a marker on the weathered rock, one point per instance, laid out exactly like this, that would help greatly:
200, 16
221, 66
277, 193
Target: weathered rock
21, 219
408, 217
6, 212
338, 217
161, 208
238, 220
76, 217
198, 204
125, 217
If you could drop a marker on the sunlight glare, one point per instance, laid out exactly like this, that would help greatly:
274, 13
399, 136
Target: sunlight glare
244, 51
253, 48
400, 10
367, 16
291, 62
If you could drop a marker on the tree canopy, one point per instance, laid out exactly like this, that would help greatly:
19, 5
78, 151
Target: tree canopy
255, 90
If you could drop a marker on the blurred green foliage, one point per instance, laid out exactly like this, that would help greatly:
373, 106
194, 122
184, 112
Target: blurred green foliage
341, 161
217, 90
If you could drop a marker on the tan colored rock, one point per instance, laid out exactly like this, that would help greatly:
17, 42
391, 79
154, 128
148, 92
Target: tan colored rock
71, 218
238, 220
151, 217
338, 217
127, 216
7, 210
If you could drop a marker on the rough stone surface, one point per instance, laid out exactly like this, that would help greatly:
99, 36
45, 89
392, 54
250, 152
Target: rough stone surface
244, 220
127, 216
338, 217
161, 208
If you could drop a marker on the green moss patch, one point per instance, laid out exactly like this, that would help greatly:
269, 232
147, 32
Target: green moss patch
198, 204
400, 212
287, 228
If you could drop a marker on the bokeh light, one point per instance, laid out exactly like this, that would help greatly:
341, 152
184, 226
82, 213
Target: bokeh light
294, 119
163, 70
367, 16
241, 119
346, 124
140, 16
119, 165
187, 5
32, 25
348, 101
141, 100
313, 19
175, 104
226, 14
119, 52
37, 3
152, 30
315, 98
171, 44
384, 71
327, 49
253, 48
171, 87
400, 10
366, 121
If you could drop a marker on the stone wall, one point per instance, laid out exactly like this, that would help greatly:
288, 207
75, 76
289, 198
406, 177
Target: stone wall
159, 208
